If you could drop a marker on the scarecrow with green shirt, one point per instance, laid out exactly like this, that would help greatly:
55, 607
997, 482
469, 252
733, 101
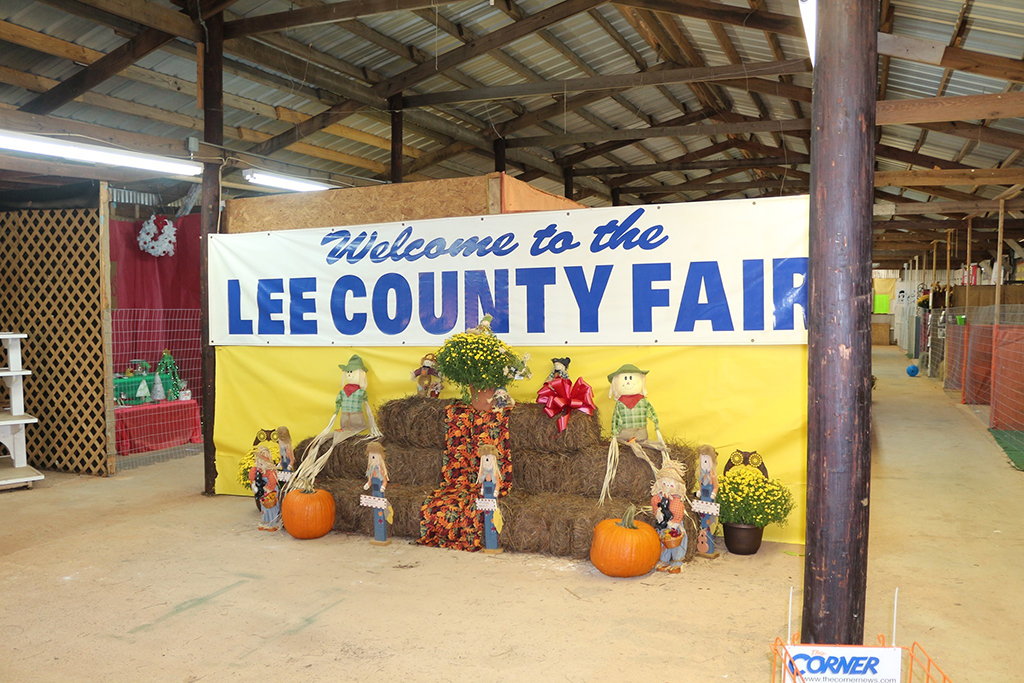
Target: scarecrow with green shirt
629, 420
353, 405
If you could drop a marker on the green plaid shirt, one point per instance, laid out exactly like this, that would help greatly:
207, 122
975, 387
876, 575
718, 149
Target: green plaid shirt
350, 404
633, 418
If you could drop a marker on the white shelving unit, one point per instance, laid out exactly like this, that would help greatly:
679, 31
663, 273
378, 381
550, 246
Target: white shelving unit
13, 418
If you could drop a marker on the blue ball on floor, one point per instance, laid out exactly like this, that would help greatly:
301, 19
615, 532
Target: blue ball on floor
912, 370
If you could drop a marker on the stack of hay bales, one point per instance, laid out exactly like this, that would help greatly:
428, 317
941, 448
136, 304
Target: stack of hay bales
556, 478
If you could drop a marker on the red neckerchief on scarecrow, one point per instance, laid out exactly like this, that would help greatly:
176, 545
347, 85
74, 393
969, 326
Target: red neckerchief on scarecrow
351, 389
630, 400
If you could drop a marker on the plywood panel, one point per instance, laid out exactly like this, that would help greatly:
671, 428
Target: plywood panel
518, 196
985, 295
880, 334
361, 205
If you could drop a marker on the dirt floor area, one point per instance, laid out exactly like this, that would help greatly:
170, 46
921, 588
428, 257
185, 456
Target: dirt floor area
140, 578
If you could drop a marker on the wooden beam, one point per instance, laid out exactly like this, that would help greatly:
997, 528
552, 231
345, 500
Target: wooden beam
321, 14
922, 208
547, 141
942, 226
755, 162
484, 44
976, 133
150, 14
839, 317
306, 128
111, 64
725, 14
693, 185
940, 54
613, 82
702, 153
971, 176
941, 109
915, 158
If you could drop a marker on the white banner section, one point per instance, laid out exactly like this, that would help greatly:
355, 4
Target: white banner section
842, 664
726, 272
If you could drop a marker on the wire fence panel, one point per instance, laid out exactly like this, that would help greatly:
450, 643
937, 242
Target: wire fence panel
977, 389
157, 381
956, 334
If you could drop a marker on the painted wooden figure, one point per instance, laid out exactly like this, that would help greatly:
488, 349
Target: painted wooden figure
707, 491
489, 478
668, 500
353, 403
629, 421
428, 381
377, 483
264, 481
284, 444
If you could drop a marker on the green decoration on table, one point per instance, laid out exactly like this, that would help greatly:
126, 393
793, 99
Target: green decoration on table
747, 496
169, 368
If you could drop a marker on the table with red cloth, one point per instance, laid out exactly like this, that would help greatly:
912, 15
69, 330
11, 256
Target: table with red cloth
155, 426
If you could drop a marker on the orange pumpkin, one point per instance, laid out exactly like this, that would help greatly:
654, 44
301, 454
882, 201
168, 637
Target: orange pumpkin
308, 514
625, 547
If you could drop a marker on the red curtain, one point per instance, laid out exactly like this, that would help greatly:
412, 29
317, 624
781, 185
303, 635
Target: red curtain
140, 280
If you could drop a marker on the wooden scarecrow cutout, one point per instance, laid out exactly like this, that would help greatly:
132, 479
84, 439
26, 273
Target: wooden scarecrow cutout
284, 444
352, 405
377, 483
489, 479
668, 501
428, 380
629, 420
263, 478
705, 506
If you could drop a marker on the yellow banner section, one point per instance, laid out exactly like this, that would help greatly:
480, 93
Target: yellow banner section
746, 398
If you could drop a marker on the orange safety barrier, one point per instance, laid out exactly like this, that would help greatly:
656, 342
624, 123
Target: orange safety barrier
917, 664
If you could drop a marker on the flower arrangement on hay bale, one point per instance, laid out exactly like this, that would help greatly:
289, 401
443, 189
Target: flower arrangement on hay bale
477, 360
746, 496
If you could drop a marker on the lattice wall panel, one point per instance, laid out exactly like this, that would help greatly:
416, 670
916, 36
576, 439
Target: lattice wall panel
50, 288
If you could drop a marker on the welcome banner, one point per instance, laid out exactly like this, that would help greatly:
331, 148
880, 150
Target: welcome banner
710, 273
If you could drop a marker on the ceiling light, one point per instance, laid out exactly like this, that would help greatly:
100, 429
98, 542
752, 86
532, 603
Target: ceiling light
809, 16
74, 151
283, 182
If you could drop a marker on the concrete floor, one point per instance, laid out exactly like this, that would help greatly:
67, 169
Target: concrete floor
140, 578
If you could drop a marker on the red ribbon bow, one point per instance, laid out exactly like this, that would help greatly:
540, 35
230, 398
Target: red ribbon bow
560, 397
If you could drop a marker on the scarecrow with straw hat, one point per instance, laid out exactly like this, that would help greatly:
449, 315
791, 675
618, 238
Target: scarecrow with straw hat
668, 501
629, 420
352, 404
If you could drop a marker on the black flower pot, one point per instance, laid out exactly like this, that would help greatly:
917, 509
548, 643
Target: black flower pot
742, 539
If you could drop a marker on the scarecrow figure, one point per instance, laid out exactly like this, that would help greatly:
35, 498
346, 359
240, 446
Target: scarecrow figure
668, 500
560, 369
428, 381
263, 478
707, 491
284, 444
352, 403
377, 481
629, 420
489, 479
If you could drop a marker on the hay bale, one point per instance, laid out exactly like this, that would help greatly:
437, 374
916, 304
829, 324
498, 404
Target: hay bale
412, 466
532, 431
414, 421
352, 517
581, 472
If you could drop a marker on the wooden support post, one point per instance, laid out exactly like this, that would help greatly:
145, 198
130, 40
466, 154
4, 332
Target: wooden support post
499, 155
567, 174
999, 296
213, 133
616, 196
999, 261
949, 237
395, 105
839, 323
967, 270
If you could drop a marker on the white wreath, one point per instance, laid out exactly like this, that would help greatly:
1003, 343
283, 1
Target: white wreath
158, 236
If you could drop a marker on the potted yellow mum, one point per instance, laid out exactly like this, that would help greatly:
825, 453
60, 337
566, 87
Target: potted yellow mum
480, 363
749, 502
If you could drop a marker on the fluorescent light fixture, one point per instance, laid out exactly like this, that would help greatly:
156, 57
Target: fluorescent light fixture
74, 151
283, 182
809, 16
